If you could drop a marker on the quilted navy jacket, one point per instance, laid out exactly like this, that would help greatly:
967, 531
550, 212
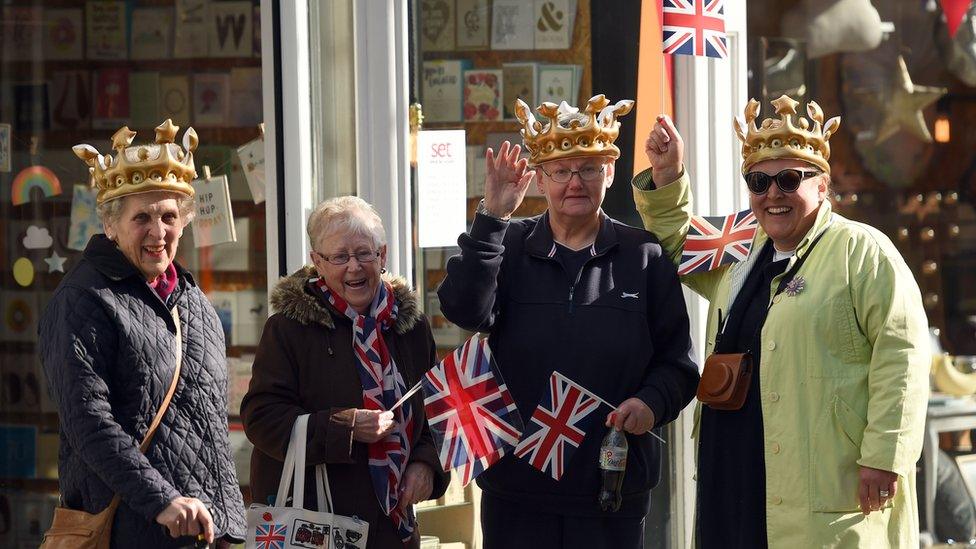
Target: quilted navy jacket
107, 345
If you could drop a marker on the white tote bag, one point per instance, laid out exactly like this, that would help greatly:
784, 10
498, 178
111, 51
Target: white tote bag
282, 527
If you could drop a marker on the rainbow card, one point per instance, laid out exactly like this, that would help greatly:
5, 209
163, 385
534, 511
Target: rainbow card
34, 177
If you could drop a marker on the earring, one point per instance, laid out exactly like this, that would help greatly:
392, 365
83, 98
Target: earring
382, 270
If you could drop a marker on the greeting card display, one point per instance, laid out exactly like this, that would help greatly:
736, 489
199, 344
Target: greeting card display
231, 34
152, 32
105, 30
63, 34
442, 90
482, 95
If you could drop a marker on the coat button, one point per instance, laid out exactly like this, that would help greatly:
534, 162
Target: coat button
771, 346
777, 500
774, 447
774, 396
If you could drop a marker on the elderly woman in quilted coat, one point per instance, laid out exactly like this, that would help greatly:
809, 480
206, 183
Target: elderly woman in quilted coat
108, 350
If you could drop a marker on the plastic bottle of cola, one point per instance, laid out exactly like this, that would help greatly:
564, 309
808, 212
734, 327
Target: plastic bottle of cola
613, 466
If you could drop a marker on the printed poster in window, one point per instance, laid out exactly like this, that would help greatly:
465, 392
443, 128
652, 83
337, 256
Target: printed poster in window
512, 25
443, 86
21, 31
144, 100
437, 25
111, 99
482, 95
441, 188
5, 148
557, 84
214, 222
519, 81
70, 100
152, 33
174, 99
554, 24
211, 94
63, 34
247, 107
251, 155
84, 219
473, 20
190, 35
105, 30
231, 33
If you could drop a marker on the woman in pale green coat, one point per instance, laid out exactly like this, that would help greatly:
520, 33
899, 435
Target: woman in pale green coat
823, 452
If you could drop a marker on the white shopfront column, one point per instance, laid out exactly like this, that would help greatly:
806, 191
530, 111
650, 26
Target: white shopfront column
707, 94
287, 116
382, 129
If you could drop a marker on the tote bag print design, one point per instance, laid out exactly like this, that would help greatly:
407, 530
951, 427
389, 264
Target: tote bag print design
281, 527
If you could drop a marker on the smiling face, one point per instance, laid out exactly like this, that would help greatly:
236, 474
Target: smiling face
147, 231
355, 282
576, 199
788, 217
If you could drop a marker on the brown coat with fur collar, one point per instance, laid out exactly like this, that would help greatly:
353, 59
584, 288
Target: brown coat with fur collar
305, 364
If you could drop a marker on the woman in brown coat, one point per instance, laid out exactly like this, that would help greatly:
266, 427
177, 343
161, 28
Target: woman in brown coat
345, 343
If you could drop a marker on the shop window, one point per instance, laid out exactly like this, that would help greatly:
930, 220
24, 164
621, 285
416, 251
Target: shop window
75, 72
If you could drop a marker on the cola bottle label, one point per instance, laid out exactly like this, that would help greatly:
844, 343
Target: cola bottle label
613, 459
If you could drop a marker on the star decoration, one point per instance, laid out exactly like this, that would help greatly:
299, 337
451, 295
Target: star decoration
166, 132
123, 138
795, 286
785, 105
55, 262
902, 106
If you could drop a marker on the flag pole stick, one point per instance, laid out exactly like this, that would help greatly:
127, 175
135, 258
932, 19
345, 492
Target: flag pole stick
406, 395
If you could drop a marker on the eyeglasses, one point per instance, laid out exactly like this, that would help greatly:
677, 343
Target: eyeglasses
586, 173
365, 256
787, 180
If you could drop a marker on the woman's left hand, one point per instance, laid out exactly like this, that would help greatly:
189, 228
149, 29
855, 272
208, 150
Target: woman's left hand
876, 488
417, 485
632, 416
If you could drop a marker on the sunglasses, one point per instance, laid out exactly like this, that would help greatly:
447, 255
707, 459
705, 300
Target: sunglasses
787, 180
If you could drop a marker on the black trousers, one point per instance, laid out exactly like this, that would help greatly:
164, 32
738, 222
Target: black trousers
509, 525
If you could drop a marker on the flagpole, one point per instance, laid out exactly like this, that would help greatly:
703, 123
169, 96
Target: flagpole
406, 395
652, 433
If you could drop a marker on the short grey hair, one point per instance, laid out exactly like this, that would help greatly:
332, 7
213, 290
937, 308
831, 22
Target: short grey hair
345, 213
110, 212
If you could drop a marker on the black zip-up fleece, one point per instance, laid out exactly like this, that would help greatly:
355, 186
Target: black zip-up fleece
620, 329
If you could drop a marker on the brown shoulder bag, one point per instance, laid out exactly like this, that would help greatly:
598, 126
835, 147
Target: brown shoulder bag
72, 529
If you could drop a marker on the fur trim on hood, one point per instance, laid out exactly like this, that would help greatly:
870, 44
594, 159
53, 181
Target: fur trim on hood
290, 298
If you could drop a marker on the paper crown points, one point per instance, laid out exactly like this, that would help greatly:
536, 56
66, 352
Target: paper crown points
569, 133
775, 138
160, 166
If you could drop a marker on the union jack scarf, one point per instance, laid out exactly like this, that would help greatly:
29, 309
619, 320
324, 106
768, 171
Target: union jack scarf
382, 388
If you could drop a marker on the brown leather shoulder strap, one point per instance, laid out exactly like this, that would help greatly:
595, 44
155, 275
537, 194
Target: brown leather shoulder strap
172, 386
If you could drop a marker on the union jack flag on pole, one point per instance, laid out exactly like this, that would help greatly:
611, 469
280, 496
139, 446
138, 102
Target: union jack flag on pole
471, 414
695, 27
716, 241
558, 425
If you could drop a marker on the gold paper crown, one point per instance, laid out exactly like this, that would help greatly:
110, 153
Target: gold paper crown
570, 133
162, 166
781, 138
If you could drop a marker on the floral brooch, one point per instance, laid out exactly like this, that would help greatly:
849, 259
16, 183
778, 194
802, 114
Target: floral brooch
795, 286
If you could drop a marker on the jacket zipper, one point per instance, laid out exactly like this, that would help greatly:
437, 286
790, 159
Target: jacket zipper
579, 276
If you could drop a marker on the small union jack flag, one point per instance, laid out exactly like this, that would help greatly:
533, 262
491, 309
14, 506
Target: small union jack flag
695, 27
471, 414
557, 426
270, 536
716, 241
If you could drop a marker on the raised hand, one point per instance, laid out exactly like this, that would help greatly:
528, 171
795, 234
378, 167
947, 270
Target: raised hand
506, 180
371, 425
665, 150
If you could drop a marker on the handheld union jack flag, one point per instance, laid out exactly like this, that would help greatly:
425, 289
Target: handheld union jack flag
270, 536
695, 27
557, 426
471, 414
716, 241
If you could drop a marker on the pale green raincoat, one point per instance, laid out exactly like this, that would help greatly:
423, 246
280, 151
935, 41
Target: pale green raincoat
843, 378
